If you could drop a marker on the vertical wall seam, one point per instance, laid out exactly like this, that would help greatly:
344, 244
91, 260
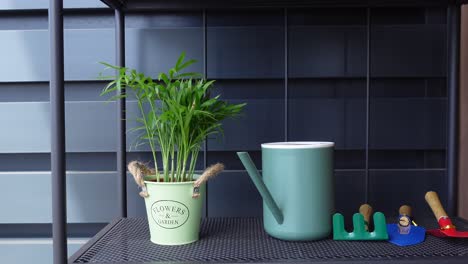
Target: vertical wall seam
368, 104
205, 76
286, 76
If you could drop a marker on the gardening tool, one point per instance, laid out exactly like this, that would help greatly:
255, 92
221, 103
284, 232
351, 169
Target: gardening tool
404, 233
297, 188
447, 229
361, 226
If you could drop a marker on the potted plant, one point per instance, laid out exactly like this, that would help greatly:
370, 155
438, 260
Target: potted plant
177, 114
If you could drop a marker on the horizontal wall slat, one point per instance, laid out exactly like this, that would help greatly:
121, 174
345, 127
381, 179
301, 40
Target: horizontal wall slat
251, 52
411, 123
26, 197
149, 50
245, 52
232, 193
156, 50
411, 51
44, 4
327, 51
37, 251
262, 121
90, 127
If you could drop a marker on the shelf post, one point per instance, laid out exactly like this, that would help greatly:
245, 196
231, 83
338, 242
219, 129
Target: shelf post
57, 112
453, 80
121, 126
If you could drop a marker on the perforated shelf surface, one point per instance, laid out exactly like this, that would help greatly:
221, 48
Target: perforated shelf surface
232, 240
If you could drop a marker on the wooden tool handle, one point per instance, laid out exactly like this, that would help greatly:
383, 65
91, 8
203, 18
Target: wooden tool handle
433, 200
405, 210
366, 211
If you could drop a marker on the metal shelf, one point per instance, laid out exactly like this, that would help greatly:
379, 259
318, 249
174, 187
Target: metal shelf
140, 5
234, 240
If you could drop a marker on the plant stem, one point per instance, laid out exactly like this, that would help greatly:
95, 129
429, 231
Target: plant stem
150, 137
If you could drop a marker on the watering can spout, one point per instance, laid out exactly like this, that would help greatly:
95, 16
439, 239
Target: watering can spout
257, 180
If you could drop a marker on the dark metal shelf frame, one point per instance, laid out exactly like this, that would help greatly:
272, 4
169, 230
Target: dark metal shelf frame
120, 7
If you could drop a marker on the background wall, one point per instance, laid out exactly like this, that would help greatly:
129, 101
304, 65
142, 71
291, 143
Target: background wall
326, 100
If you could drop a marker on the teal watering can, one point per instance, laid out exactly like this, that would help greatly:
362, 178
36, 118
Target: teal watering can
296, 187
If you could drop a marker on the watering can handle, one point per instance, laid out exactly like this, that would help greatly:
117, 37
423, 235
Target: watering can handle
433, 200
366, 211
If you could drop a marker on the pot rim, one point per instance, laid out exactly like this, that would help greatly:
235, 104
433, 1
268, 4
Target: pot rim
169, 183
298, 145
174, 183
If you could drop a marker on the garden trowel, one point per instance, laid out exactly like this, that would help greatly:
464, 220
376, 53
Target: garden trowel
405, 232
447, 229
361, 226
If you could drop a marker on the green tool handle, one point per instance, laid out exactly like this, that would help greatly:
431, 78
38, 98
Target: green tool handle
257, 180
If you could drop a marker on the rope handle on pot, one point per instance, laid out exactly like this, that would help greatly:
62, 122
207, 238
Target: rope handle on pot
209, 173
139, 170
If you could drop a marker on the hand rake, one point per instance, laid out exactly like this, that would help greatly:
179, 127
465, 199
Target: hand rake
361, 226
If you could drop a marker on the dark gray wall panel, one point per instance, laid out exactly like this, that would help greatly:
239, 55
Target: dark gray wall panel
39, 91
307, 122
410, 123
37, 251
44, 4
157, 50
349, 192
316, 52
28, 54
249, 89
90, 127
262, 121
355, 124
232, 194
231, 161
356, 52
407, 159
84, 161
408, 87
327, 87
245, 52
91, 197
149, 50
135, 204
408, 51
101, 19
391, 189
327, 51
